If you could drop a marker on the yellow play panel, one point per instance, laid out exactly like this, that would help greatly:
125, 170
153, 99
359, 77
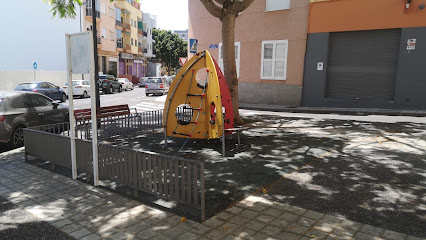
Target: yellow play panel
193, 109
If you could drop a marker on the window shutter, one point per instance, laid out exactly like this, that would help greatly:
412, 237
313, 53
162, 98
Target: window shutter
268, 49
280, 60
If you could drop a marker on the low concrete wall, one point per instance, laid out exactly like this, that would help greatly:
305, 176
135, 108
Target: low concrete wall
274, 94
10, 79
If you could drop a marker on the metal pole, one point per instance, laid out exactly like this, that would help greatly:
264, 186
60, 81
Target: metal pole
81, 30
34, 75
71, 111
94, 99
95, 53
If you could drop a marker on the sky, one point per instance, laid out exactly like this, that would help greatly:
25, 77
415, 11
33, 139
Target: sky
171, 14
33, 35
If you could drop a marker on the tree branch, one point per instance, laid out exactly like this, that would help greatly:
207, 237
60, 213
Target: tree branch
241, 5
212, 8
221, 2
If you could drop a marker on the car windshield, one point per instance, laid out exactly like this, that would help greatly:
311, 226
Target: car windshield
154, 80
26, 86
74, 83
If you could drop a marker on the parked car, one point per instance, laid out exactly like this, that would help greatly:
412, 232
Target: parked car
156, 85
46, 88
110, 84
80, 88
19, 110
125, 83
142, 82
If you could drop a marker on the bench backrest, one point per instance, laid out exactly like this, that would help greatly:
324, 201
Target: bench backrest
85, 114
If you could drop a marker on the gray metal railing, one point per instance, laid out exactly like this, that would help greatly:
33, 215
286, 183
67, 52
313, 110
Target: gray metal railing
110, 127
178, 179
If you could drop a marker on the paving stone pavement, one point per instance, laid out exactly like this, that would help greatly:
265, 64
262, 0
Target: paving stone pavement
89, 213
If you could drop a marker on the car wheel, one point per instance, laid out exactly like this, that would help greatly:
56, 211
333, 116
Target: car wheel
120, 89
111, 89
147, 94
64, 97
17, 139
84, 95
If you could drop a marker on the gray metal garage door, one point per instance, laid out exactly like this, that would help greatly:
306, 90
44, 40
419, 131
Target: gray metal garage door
363, 65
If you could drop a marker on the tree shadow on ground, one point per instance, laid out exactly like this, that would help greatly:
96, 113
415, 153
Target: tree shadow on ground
16, 224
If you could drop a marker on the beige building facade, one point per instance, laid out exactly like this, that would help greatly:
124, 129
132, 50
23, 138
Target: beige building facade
270, 42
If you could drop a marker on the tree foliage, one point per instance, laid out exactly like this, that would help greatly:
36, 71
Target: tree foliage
168, 48
63, 8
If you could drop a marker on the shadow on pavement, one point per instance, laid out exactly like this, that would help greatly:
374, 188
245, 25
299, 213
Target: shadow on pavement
17, 224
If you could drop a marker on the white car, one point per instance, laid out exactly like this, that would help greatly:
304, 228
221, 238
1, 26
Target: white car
125, 84
80, 88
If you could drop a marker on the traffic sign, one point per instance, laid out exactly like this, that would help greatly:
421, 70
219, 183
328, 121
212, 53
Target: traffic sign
193, 43
213, 46
35, 65
182, 60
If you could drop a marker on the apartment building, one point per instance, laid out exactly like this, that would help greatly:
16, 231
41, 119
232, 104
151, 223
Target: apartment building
270, 44
119, 37
183, 34
149, 23
363, 53
105, 24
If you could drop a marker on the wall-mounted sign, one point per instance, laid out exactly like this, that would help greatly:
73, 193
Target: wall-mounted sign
131, 56
411, 44
213, 46
320, 66
193, 43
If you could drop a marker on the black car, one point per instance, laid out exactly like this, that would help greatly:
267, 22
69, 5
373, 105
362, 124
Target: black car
109, 84
19, 110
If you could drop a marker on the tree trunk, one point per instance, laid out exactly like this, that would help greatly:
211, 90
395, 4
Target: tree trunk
228, 51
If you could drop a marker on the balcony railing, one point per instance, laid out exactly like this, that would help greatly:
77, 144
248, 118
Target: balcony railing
89, 13
118, 23
119, 45
126, 27
127, 48
139, 31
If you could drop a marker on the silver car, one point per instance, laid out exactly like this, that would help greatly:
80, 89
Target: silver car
156, 85
19, 110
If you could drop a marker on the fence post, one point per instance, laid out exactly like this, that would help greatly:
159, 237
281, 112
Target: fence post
203, 203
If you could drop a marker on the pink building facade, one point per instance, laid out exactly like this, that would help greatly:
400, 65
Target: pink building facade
270, 46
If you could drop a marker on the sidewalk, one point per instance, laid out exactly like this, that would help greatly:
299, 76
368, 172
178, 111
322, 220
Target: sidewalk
330, 110
86, 212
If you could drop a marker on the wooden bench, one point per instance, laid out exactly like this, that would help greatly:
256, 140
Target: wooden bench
86, 114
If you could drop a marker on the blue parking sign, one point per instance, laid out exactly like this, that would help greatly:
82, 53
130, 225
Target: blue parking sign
193, 43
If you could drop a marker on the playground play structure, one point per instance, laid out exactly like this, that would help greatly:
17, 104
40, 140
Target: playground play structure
199, 104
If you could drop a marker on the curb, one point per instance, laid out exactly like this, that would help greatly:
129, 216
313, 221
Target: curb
342, 111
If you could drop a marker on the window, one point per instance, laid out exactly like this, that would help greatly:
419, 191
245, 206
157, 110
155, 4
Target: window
131, 41
17, 102
274, 5
237, 57
104, 33
111, 12
103, 8
38, 101
136, 42
51, 86
111, 35
274, 60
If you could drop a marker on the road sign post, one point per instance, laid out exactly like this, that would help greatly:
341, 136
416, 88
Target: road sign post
35, 68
